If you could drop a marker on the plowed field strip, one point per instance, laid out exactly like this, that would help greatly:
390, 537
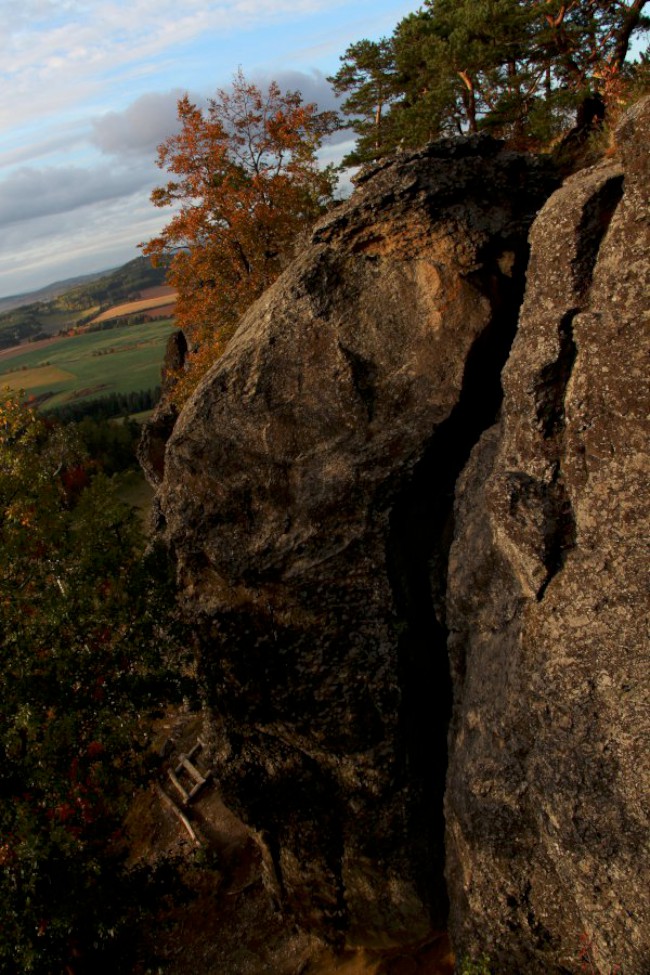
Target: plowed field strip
134, 307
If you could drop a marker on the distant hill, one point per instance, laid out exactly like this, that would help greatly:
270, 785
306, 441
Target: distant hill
50, 291
75, 302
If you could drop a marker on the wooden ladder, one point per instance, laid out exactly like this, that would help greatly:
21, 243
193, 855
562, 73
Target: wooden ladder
187, 768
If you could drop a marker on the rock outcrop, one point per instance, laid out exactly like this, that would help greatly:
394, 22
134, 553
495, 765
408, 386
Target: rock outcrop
156, 433
547, 802
307, 498
373, 653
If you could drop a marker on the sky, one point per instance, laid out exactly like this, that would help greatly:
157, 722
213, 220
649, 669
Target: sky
90, 90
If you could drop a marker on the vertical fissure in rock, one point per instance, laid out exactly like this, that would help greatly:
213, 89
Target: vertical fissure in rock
593, 226
550, 389
553, 381
420, 535
559, 519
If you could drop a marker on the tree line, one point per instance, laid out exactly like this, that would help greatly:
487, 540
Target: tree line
518, 69
106, 406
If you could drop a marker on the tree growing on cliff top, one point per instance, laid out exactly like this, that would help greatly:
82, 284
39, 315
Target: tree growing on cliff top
368, 79
245, 181
514, 67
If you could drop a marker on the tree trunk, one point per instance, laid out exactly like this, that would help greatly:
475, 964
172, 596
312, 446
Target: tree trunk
469, 99
622, 46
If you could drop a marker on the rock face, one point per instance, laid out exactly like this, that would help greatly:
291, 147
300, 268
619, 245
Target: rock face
547, 800
306, 495
151, 449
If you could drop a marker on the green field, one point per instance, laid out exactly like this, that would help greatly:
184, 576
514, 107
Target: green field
122, 360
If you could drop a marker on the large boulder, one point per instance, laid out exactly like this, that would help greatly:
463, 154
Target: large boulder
306, 496
547, 801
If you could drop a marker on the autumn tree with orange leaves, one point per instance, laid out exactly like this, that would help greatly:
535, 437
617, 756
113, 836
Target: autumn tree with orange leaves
245, 183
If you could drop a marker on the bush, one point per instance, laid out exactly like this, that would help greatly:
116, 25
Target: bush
89, 645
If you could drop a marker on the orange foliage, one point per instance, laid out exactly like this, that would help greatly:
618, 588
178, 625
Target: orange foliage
244, 183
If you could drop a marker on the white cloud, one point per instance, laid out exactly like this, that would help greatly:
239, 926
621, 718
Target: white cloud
140, 128
144, 124
52, 248
84, 38
28, 193
68, 140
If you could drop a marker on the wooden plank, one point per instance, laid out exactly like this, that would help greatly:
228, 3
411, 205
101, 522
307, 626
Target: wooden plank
169, 802
178, 785
196, 789
191, 769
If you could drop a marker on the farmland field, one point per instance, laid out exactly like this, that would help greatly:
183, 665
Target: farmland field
37, 377
92, 364
151, 303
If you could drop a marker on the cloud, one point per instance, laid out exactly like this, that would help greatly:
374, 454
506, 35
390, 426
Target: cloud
140, 128
52, 248
28, 193
93, 94
49, 41
67, 141
312, 85
57, 53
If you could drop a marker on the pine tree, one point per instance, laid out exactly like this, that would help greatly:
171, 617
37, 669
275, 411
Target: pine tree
517, 68
367, 77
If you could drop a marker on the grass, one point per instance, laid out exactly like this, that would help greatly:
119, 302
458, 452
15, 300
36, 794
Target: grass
37, 377
122, 360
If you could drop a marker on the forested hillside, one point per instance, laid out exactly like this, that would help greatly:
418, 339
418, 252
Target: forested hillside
79, 304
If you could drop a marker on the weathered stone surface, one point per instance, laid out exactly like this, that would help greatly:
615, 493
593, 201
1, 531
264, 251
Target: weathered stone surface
156, 433
306, 497
547, 802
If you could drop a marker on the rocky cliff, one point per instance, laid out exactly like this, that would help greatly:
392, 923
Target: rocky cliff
307, 497
547, 798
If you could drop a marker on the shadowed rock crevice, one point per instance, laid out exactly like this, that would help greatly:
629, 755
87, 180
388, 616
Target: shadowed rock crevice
550, 389
559, 529
594, 223
420, 535
559, 520
559, 523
